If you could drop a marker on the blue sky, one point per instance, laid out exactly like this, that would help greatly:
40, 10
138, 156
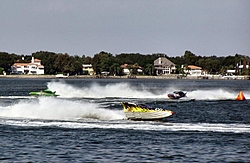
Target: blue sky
86, 27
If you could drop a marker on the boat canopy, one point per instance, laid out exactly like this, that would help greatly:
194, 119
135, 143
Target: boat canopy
49, 91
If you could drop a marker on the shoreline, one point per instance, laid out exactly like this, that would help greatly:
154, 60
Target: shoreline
171, 76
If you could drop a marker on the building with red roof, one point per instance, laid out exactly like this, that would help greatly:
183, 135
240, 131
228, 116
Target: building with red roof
33, 68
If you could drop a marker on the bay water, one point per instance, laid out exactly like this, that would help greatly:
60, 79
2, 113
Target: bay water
86, 122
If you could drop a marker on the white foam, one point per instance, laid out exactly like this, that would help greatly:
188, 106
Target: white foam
58, 109
122, 90
126, 90
16, 97
130, 125
216, 94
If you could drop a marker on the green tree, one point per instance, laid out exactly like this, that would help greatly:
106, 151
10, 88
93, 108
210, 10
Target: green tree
102, 62
7, 60
190, 58
114, 69
77, 61
149, 69
87, 60
62, 64
1, 70
48, 60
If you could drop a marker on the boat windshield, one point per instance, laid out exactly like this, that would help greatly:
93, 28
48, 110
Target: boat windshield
179, 93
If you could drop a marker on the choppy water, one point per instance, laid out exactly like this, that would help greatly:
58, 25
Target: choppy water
86, 122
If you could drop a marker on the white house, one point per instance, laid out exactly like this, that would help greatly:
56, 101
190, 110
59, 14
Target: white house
194, 70
34, 67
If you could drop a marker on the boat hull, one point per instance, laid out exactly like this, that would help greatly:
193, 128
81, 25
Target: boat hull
172, 96
176, 95
44, 93
147, 115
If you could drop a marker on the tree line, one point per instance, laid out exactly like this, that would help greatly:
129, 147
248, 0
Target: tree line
64, 63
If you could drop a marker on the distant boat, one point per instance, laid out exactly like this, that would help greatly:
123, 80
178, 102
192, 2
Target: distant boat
176, 95
62, 76
142, 112
46, 92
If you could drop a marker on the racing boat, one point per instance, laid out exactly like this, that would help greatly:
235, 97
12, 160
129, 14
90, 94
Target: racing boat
46, 92
177, 95
142, 112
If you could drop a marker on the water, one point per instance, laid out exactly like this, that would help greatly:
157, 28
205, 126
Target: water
86, 122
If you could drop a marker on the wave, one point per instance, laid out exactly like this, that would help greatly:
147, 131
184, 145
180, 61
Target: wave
16, 97
126, 90
131, 125
98, 91
58, 109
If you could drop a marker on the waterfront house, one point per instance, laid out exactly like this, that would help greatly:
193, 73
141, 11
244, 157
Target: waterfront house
194, 70
33, 68
164, 66
88, 69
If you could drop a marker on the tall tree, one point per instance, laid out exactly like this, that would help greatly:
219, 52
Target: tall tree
6, 61
102, 62
190, 58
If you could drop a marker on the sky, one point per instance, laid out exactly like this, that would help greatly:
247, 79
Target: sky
87, 27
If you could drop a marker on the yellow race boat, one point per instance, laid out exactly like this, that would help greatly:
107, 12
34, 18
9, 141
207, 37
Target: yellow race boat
142, 112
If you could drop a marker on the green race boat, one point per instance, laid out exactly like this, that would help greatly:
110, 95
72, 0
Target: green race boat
46, 92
